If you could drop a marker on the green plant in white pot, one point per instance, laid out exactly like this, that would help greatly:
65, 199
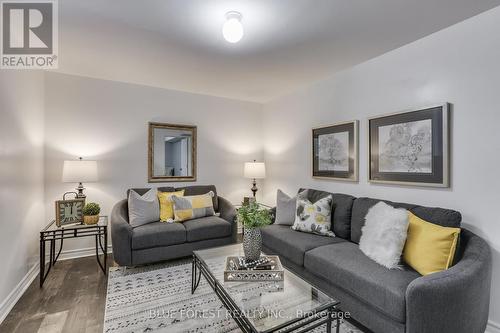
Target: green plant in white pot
253, 217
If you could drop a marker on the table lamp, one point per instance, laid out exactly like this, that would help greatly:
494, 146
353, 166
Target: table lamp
80, 172
254, 170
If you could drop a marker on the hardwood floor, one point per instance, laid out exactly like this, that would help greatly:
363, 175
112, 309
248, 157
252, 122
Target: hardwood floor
72, 300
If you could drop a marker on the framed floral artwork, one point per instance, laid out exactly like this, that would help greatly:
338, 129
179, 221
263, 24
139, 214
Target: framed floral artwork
410, 147
335, 151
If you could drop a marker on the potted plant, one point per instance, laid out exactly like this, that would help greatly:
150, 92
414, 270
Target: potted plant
253, 218
91, 213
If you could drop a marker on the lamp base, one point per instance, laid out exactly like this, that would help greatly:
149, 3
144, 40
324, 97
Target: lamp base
80, 189
254, 187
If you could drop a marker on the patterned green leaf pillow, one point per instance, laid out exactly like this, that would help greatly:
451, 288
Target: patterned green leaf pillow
315, 217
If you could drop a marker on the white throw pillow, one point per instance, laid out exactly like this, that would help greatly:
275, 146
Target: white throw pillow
143, 209
384, 234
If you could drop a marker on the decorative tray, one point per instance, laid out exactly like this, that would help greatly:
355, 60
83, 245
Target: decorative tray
267, 268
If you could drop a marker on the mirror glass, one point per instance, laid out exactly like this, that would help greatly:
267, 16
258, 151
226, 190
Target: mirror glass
172, 152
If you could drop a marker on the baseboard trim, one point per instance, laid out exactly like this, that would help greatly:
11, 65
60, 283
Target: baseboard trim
18, 291
11, 300
80, 253
492, 327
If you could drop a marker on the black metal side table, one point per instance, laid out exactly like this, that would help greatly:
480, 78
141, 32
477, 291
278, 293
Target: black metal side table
51, 233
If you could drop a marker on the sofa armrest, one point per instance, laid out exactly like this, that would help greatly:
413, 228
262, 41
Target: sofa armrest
455, 300
121, 234
228, 212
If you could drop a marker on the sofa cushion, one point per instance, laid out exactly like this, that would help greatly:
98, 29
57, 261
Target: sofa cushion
201, 189
293, 244
348, 268
143, 190
439, 216
208, 227
158, 234
342, 206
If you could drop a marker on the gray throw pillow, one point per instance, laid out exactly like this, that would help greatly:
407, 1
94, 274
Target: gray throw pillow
143, 209
285, 209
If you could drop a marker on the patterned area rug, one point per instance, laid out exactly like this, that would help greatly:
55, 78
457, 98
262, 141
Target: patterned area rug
157, 298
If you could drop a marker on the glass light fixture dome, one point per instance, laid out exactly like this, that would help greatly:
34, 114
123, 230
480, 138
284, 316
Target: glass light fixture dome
232, 30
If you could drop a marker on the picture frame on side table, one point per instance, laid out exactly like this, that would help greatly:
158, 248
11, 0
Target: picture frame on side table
335, 151
411, 147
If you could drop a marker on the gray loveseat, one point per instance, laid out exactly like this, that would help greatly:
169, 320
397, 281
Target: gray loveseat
159, 241
387, 301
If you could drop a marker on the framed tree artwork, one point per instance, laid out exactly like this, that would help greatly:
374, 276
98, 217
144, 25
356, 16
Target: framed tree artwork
410, 147
335, 151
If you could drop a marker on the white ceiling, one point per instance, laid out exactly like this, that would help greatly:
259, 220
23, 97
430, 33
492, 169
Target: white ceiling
177, 44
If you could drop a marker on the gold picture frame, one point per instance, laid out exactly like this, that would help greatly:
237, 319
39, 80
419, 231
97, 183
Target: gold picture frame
155, 178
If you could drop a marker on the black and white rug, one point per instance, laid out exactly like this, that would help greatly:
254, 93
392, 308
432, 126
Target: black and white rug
157, 298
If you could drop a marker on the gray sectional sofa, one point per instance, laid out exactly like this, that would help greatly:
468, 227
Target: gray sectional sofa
387, 301
160, 241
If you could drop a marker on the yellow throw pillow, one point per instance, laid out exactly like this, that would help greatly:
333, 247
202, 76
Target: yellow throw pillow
429, 247
193, 207
166, 205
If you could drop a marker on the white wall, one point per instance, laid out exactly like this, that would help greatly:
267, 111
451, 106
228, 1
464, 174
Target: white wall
21, 179
460, 65
108, 121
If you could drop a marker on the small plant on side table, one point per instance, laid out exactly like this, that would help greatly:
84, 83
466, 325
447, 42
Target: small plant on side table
253, 217
91, 213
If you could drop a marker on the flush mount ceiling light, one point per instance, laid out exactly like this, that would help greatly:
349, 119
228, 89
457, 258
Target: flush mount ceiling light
232, 30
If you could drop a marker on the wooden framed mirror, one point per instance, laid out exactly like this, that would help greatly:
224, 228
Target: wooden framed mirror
171, 153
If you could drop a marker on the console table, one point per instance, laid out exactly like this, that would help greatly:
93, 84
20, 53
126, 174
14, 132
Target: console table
51, 234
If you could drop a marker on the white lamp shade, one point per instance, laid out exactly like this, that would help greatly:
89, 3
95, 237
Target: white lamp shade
255, 170
79, 171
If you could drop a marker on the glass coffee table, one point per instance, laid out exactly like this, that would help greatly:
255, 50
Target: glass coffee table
292, 305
